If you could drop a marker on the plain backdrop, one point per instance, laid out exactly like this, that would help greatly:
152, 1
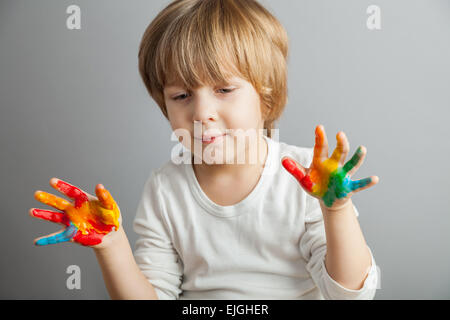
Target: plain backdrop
72, 105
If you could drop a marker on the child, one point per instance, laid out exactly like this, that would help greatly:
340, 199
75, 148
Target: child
226, 229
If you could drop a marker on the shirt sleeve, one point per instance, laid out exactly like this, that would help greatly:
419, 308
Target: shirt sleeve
313, 248
154, 252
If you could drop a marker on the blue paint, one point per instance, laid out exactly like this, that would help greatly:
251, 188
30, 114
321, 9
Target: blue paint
63, 236
340, 185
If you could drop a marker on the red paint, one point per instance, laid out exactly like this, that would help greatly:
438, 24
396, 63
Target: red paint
293, 169
307, 183
72, 192
90, 239
51, 216
104, 228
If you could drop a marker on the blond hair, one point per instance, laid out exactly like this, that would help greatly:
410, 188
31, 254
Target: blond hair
206, 41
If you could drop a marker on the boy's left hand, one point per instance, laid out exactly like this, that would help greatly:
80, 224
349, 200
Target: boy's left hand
328, 179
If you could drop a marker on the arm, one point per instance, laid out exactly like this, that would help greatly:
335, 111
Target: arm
95, 222
334, 244
154, 270
348, 259
313, 246
155, 253
123, 278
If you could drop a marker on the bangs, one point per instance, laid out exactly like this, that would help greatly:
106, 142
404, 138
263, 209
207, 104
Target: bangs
202, 71
199, 49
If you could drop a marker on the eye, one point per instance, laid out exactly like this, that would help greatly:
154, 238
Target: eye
184, 95
180, 97
227, 90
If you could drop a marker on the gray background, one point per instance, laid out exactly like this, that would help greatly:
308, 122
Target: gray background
73, 106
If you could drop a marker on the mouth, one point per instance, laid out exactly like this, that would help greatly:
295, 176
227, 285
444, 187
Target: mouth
211, 139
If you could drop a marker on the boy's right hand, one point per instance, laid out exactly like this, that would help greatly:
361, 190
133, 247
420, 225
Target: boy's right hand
88, 220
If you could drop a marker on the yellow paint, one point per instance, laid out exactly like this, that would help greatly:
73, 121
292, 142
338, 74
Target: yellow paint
320, 176
89, 211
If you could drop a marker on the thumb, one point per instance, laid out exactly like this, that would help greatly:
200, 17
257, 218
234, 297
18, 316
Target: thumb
104, 197
298, 171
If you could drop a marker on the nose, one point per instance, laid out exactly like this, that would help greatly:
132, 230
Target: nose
204, 108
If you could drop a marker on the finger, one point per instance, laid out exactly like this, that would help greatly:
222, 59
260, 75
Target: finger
298, 171
363, 184
48, 215
51, 200
104, 197
355, 162
342, 148
70, 191
61, 236
321, 145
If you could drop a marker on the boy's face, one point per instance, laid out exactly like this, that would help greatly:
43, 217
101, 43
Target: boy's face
218, 110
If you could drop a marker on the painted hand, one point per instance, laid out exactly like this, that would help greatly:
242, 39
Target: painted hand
87, 220
328, 179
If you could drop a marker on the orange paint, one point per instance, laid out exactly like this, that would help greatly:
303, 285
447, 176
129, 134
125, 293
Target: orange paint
91, 219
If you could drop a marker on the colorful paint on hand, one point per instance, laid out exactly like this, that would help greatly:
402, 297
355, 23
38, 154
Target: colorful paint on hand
325, 179
86, 221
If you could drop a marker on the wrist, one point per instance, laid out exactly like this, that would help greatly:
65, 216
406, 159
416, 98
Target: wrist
110, 241
340, 209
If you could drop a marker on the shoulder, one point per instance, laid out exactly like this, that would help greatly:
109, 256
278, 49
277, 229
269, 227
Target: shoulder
169, 176
169, 170
163, 185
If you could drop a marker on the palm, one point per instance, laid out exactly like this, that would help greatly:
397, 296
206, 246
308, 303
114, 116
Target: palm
87, 220
328, 179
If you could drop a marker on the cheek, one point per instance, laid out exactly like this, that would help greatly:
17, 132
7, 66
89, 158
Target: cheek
246, 116
177, 118
180, 130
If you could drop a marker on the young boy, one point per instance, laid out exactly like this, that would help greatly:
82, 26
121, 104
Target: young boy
226, 229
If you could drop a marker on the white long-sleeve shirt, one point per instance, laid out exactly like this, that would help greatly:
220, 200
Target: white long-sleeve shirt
271, 245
